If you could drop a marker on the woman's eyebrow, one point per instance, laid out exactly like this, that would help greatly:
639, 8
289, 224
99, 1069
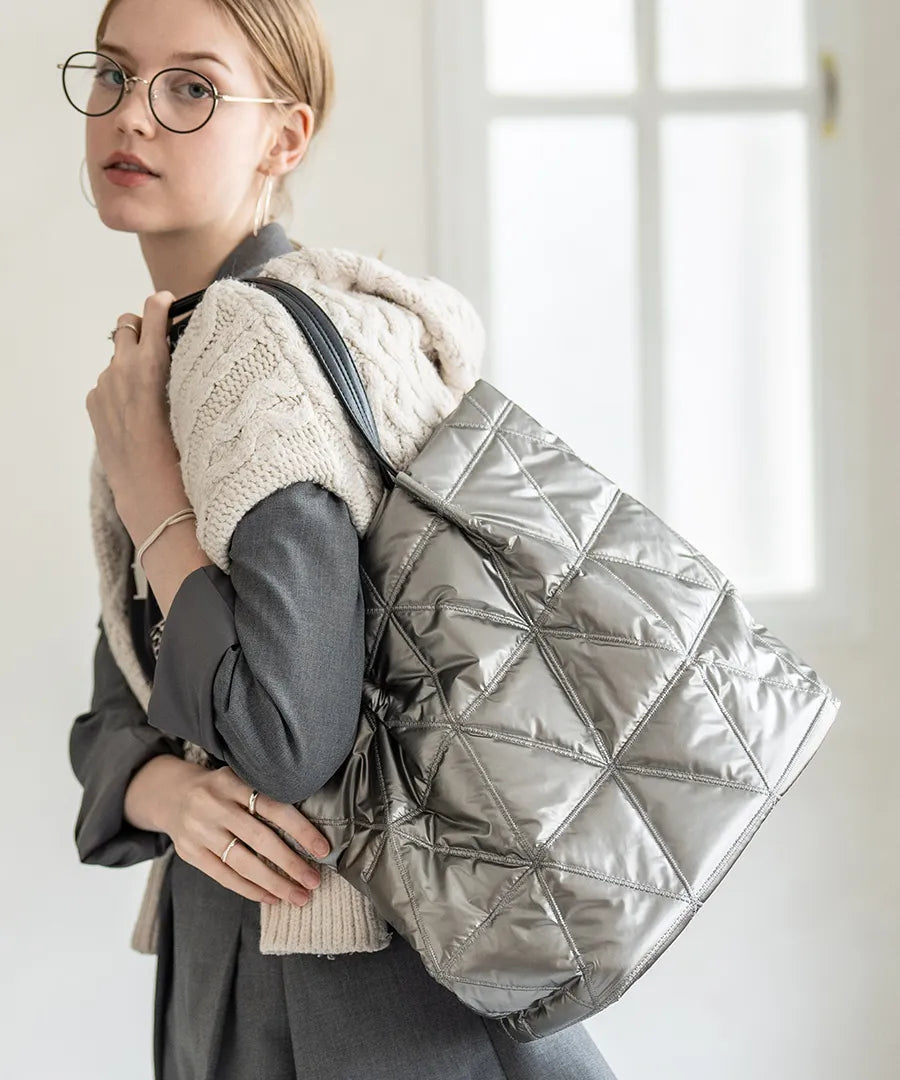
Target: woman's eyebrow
175, 56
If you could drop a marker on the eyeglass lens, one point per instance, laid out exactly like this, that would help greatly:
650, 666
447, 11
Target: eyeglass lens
181, 99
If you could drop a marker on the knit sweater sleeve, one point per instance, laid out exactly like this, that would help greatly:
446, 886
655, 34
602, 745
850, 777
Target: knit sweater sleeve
108, 744
263, 667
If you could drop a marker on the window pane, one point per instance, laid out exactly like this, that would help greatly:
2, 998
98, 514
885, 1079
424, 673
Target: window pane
563, 281
725, 43
569, 47
738, 454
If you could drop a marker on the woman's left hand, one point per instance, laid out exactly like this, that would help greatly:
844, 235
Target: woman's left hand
129, 405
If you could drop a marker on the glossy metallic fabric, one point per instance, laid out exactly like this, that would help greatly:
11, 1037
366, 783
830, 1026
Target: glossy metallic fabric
572, 725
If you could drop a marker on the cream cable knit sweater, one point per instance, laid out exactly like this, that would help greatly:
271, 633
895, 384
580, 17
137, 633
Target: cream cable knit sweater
251, 412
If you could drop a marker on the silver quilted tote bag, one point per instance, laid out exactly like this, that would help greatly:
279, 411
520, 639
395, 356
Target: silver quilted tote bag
571, 725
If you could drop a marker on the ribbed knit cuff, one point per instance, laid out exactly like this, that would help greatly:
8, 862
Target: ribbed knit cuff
337, 918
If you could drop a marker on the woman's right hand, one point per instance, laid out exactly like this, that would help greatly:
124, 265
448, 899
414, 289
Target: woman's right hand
210, 806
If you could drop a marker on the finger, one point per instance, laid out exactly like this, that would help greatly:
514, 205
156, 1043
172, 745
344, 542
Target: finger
285, 815
211, 865
126, 337
295, 824
260, 839
156, 313
251, 866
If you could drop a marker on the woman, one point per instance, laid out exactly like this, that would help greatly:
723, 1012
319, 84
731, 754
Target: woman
267, 966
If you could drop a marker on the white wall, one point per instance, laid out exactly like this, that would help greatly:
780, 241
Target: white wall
789, 974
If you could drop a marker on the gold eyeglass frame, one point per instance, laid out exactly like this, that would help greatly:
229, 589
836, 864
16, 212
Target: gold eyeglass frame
130, 79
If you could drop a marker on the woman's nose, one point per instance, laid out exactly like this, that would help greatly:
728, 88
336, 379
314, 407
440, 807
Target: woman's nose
134, 107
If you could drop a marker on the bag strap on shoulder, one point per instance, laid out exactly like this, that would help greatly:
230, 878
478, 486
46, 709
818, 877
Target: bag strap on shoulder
328, 347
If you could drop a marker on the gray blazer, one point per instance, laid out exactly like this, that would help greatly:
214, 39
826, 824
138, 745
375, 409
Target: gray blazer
262, 668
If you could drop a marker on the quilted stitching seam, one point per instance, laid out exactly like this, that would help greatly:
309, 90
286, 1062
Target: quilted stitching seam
530, 632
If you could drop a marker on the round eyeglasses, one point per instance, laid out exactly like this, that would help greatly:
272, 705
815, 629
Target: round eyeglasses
180, 99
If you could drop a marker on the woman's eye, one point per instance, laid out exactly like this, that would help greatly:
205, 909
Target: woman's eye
103, 72
196, 91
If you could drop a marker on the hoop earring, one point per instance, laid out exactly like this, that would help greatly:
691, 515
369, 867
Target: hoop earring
81, 182
260, 218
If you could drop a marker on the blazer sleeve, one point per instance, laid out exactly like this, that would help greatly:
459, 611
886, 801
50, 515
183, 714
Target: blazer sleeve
263, 668
107, 746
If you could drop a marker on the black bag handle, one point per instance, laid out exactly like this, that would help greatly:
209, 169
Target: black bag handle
328, 347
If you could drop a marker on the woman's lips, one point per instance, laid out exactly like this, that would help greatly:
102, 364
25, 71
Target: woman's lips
128, 177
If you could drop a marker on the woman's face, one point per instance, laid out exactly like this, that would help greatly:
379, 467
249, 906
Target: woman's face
210, 175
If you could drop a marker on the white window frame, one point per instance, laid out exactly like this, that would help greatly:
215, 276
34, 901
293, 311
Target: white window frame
458, 113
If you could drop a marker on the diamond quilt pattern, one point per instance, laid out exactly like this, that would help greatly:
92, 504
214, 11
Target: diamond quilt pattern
571, 724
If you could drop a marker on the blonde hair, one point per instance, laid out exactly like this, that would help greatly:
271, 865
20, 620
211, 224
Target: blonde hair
291, 54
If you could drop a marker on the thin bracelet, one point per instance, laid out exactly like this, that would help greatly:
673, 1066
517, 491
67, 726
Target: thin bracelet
137, 566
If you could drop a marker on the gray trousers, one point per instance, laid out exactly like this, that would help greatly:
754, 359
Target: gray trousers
225, 1011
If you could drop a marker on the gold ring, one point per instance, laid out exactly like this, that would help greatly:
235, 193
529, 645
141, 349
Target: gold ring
253, 795
131, 326
224, 855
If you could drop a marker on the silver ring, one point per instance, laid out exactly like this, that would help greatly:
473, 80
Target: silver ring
131, 326
224, 855
253, 795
